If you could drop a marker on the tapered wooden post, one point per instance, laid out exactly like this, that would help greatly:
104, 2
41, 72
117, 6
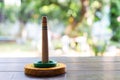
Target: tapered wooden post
46, 67
44, 40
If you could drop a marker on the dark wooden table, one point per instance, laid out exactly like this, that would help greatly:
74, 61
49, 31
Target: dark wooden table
78, 68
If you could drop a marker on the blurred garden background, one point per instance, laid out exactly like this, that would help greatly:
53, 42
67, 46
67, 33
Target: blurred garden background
76, 27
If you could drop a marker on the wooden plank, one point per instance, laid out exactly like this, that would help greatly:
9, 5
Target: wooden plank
91, 68
64, 59
22, 76
18, 60
6, 75
73, 75
93, 75
104, 66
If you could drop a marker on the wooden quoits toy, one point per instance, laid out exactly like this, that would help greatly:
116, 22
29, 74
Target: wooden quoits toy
46, 67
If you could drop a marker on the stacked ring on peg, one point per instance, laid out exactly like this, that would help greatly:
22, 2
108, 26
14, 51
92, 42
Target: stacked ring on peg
46, 67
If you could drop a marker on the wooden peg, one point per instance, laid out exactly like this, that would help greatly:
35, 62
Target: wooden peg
45, 53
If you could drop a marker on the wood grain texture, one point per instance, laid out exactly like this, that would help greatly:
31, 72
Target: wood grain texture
78, 68
45, 53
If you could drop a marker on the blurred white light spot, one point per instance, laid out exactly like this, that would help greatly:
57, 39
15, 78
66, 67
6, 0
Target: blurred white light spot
118, 18
12, 2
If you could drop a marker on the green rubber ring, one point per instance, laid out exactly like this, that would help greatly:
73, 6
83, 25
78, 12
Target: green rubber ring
49, 64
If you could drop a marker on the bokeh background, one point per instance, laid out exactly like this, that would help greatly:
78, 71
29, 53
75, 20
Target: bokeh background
79, 28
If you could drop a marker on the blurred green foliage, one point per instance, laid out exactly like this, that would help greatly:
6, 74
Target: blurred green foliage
99, 48
11, 13
62, 10
114, 14
1, 10
34, 9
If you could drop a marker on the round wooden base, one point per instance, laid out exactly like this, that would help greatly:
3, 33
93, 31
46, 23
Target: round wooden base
44, 72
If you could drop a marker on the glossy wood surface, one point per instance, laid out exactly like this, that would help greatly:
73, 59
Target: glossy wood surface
78, 68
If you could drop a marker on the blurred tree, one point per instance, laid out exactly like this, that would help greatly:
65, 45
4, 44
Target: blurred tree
11, 13
33, 10
75, 21
72, 13
24, 15
115, 24
69, 12
77, 15
1, 10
